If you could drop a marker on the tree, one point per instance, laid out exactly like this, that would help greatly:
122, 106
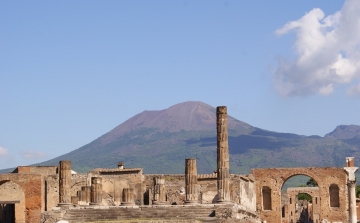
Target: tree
311, 183
304, 196
357, 190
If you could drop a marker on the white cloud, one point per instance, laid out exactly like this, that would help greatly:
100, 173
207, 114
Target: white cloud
327, 53
3, 151
32, 154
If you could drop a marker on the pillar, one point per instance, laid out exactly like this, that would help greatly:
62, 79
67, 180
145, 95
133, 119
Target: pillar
74, 199
159, 191
128, 197
351, 184
191, 181
82, 196
64, 183
96, 191
223, 175
87, 190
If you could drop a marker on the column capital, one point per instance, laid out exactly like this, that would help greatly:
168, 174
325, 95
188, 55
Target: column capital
350, 171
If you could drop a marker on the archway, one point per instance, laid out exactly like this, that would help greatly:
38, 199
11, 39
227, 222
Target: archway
12, 200
300, 200
274, 179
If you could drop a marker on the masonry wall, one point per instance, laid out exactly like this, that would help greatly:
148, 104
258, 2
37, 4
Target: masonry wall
29, 208
114, 181
274, 179
292, 194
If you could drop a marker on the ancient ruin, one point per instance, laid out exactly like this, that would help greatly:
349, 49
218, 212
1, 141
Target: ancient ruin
49, 194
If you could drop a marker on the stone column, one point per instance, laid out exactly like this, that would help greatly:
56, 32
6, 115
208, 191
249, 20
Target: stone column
96, 191
64, 183
159, 191
223, 175
82, 196
191, 181
87, 190
351, 183
352, 201
128, 197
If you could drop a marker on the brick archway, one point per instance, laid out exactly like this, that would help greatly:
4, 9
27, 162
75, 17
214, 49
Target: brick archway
274, 179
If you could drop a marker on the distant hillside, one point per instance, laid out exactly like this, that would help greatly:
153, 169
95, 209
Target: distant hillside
345, 132
160, 141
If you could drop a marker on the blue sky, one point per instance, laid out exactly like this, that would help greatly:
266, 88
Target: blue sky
71, 71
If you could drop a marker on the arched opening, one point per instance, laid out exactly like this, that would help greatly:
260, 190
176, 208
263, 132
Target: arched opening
334, 195
304, 208
298, 195
12, 202
266, 195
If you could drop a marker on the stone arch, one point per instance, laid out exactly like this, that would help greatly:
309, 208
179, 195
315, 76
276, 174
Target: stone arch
334, 195
275, 178
313, 209
12, 193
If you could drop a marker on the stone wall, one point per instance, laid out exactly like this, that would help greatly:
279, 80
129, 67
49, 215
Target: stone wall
272, 179
42, 170
293, 204
115, 180
13, 186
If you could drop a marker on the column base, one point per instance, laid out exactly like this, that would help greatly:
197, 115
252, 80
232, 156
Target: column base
127, 203
65, 204
95, 204
159, 203
223, 202
190, 202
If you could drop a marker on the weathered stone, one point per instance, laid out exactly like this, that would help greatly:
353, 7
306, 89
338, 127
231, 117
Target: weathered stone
274, 178
191, 181
222, 155
159, 191
96, 191
64, 183
128, 197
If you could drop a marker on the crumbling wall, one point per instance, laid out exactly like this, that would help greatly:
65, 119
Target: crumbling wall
42, 170
115, 180
174, 186
293, 203
52, 192
274, 179
31, 186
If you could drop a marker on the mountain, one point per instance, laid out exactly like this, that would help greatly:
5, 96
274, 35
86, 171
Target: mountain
160, 141
345, 132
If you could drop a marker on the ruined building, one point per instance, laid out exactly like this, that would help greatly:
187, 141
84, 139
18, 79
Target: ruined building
48, 194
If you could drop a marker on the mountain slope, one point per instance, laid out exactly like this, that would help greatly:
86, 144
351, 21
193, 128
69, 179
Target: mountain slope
160, 141
345, 132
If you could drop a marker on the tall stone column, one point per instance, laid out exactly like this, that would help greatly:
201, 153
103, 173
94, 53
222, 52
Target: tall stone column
352, 201
159, 191
96, 191
223, 175
64, 183
128, 197
351, 184
191, 181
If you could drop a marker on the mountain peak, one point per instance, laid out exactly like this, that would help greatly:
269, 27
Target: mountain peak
345, 132
187, 116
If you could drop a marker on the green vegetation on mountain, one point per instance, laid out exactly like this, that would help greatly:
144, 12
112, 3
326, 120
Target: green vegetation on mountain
160, 141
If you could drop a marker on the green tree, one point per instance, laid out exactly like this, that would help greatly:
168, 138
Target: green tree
311, 183
357, 190
304, 196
